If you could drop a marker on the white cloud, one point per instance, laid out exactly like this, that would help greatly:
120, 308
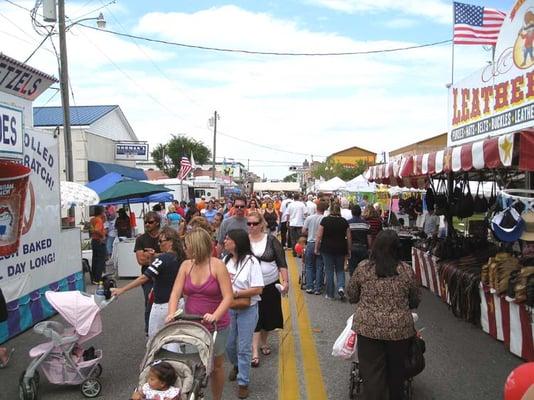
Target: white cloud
311, 105
437, 10
400, 23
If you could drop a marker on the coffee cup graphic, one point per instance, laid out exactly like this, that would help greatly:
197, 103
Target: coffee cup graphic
14, 179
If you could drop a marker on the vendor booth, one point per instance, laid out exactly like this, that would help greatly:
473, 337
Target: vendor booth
486, 275
36, 255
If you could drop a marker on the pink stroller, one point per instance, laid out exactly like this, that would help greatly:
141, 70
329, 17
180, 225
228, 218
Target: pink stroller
63, 360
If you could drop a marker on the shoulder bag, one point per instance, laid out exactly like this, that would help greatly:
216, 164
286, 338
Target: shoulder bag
414, 363
239, 303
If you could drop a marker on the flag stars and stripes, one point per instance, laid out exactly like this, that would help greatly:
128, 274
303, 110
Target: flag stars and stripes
476, 25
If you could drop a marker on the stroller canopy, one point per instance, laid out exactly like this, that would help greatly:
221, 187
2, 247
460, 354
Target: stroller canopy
77, 309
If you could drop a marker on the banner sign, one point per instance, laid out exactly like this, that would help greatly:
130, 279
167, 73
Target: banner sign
131, 151
499, 98
22, 80
11, 131
36, 261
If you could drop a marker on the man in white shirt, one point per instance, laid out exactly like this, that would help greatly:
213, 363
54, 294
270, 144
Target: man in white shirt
297, 212
310, 205
284, 218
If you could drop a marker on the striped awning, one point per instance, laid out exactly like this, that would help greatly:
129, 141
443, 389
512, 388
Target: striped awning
513, 149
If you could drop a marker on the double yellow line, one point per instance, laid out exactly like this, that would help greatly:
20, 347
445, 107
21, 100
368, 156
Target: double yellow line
288, 382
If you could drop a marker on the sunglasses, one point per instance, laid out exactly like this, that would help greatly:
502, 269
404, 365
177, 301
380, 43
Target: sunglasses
253, 223
150, 222
240, 206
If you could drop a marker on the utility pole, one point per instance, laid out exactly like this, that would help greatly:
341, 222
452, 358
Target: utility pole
215, 118
64, 85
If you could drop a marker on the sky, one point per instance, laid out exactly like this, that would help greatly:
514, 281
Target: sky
275, 111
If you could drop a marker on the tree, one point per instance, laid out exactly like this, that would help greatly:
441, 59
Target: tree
291, 178
330, 169
179, 146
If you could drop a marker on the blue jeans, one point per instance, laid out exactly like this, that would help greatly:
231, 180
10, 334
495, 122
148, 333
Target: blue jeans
314, 268
109, 245
239, 344
333, 264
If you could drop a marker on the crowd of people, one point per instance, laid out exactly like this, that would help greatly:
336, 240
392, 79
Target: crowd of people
224, 260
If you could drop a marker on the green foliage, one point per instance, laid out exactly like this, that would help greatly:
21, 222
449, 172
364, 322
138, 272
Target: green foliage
291, 178
179, 146
330, 169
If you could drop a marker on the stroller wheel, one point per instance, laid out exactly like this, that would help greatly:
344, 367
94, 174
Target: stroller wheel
28, 389
91, 387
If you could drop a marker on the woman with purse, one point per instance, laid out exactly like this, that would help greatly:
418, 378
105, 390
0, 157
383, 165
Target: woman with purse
273, 263
384, 290
247, 285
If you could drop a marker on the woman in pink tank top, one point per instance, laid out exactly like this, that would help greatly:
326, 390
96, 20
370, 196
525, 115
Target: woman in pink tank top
205, 283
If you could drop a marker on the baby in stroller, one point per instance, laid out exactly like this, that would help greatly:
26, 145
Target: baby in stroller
161, 378
192, 365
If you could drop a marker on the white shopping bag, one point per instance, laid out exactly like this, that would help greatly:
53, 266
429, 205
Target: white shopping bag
345, 344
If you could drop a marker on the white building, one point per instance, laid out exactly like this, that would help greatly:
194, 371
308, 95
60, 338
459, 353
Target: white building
95, 130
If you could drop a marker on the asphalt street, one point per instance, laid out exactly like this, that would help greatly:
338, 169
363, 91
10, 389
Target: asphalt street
462, 361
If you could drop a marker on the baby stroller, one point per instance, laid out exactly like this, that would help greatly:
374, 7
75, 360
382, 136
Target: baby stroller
356, 380
64, 360
192, 362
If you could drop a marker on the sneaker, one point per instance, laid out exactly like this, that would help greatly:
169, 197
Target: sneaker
309, 291
232, 376
341, 294
327, 297
317, 292
242, 392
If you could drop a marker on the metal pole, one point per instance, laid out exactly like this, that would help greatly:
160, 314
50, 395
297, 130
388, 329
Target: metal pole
215, 116
64, 85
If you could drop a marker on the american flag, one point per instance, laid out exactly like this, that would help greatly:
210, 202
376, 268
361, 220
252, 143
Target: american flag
185, 168
476, 25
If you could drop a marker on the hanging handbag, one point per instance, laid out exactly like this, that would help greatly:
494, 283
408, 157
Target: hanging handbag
239, 303
440, 199
414, 362
480, 204
466, 203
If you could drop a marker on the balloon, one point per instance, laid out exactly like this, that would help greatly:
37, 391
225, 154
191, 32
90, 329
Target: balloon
520, 383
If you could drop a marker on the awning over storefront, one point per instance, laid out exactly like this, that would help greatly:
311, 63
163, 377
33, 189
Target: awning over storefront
98, 169
510, 150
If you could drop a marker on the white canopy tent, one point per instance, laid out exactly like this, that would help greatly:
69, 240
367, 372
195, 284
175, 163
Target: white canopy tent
360, 185
332, 185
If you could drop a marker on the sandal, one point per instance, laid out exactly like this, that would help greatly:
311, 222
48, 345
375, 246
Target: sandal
4, 365
265, 350
255, 363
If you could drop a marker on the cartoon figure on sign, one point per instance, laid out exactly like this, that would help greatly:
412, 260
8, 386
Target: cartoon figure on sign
524, 45
6, 221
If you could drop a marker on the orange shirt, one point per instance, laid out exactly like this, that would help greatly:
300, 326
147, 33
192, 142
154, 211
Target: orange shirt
277, 204
97, 228
201, 205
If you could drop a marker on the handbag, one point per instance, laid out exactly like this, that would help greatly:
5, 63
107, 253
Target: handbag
241, 302
414, 363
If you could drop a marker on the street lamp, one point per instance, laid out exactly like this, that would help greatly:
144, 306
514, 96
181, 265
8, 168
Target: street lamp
49, 14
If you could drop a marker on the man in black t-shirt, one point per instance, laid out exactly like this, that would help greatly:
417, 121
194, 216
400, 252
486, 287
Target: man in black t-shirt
146, 250
359, 230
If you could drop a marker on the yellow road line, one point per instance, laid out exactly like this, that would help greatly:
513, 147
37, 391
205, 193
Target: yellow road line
288, 387
313, 376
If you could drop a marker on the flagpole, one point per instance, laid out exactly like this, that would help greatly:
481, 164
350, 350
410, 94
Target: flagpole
452, 58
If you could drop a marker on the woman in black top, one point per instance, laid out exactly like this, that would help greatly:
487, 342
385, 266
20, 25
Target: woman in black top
162, 272
333, 243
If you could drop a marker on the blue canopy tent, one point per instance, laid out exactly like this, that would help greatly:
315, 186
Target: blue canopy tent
105, 182
97, 170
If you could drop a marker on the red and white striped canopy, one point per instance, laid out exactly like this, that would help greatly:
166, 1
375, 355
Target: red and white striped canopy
495, 152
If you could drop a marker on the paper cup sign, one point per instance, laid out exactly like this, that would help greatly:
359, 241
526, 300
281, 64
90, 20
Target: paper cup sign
13, 186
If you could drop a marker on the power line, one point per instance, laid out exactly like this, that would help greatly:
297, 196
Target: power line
267, 53
269, 147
